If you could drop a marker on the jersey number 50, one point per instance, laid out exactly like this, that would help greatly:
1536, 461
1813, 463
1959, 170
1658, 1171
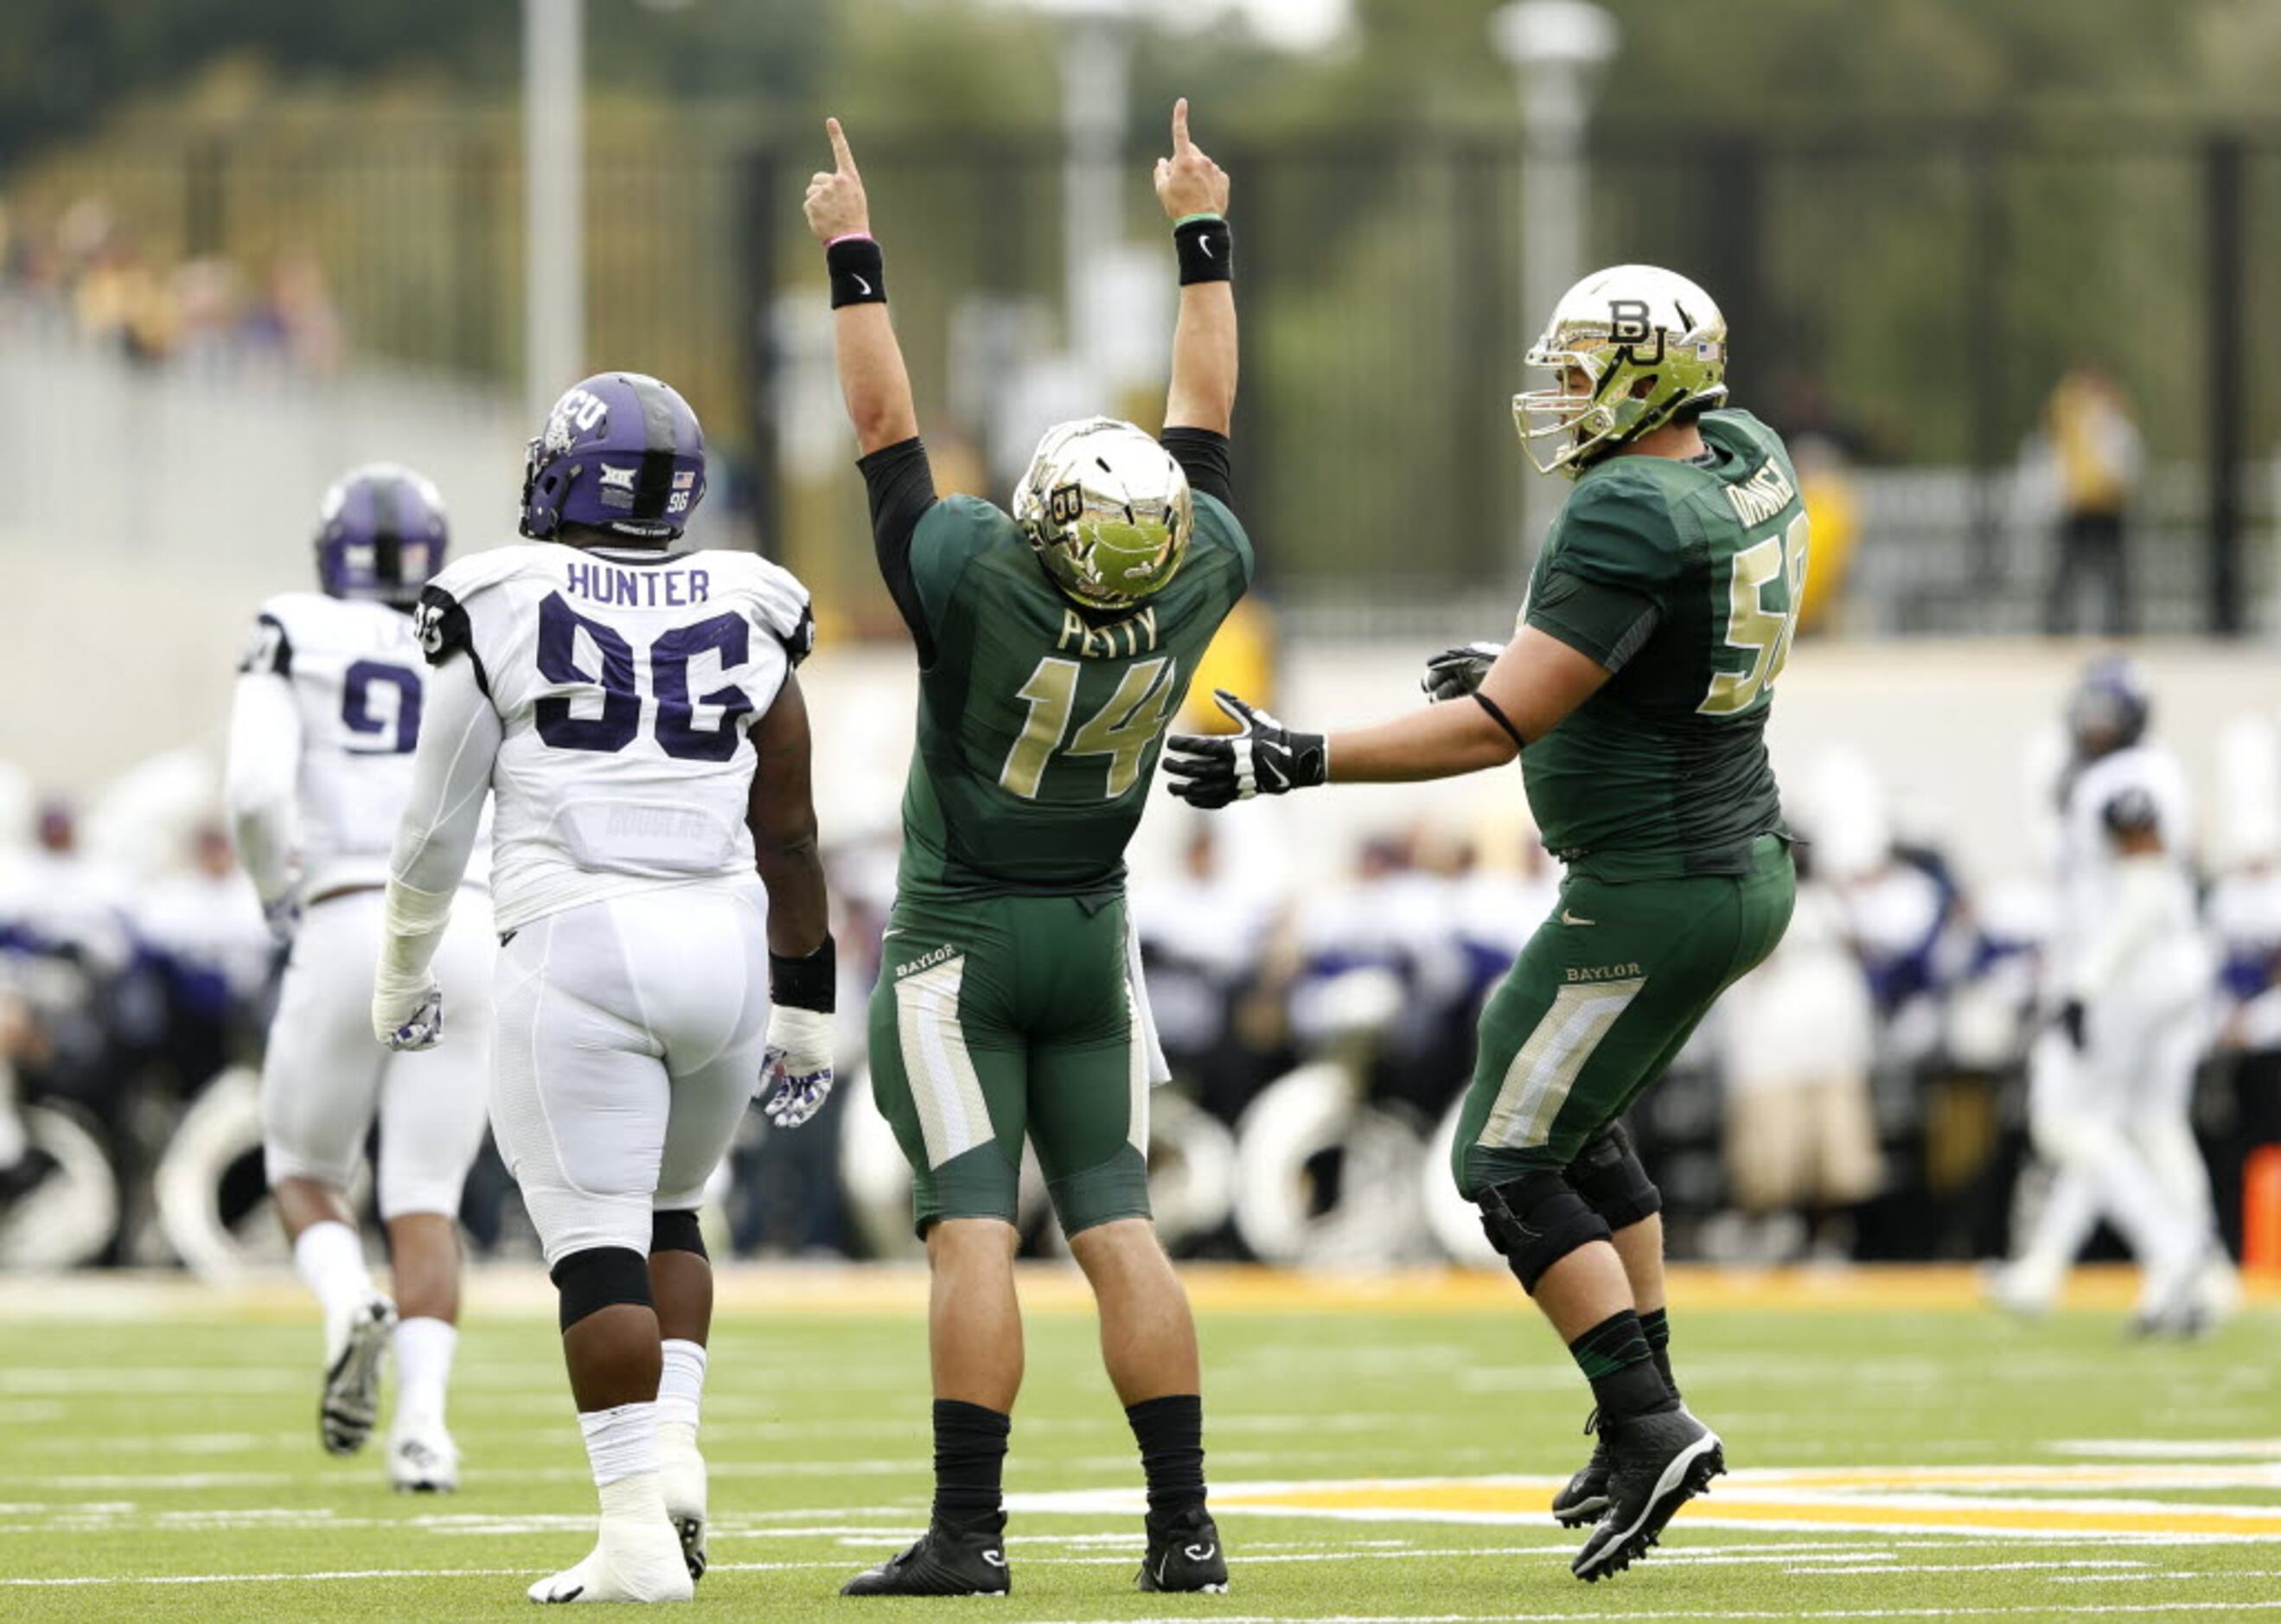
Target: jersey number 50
1763, 633
619, 722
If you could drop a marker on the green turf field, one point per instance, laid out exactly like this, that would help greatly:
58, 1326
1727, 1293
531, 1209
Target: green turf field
1369, 1461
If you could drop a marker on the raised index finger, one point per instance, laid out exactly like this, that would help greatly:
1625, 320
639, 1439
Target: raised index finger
839, 152
1179, 126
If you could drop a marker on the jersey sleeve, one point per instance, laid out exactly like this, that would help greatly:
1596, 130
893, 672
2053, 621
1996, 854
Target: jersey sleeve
950, 535
268, 648
1615, 561
445, 623
1216, 520
781, 606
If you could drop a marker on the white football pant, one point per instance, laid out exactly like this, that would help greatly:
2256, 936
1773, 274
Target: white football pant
629, 1038
324, 1079
2115, 1123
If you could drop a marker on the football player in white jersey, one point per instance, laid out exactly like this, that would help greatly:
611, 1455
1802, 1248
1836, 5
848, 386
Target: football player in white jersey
2128, 980
656, 879
327, 712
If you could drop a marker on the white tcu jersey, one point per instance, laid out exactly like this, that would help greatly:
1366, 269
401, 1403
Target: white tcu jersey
2143, 786
624, 679
355, 675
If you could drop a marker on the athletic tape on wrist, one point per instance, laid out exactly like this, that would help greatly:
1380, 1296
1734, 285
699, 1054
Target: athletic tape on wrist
1206, 247
858, 271
811, 982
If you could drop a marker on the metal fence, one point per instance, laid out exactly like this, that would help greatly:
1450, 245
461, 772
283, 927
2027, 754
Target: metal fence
1911, 291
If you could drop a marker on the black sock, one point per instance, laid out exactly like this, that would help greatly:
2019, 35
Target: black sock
1655, 1325
1170, 1434
1614, 1357
969, 1461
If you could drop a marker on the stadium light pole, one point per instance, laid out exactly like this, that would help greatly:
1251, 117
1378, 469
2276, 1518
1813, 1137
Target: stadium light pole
553, 200
1555, 48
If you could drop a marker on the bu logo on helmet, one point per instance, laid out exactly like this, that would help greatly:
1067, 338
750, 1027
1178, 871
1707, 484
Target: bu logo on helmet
1628, 325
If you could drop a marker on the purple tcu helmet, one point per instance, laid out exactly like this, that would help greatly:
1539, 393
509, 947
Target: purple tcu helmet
381, 534
620, 452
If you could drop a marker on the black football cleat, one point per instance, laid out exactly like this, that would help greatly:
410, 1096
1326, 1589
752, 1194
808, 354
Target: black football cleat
1658, 1463
946, 1560
1587, 1494
1184, 1555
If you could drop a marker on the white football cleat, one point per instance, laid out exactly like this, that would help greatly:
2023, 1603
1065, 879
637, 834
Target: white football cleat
2020, 1288
630, 1562
422, 1459
681, 1476
355, 1344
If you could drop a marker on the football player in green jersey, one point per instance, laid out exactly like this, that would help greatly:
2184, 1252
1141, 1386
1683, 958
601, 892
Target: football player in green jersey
1634, 690
1054, 644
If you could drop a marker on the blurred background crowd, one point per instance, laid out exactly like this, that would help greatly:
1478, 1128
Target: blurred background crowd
1992, 269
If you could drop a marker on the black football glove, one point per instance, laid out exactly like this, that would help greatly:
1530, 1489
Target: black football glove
2070, 1021
1266, 758
1455, 672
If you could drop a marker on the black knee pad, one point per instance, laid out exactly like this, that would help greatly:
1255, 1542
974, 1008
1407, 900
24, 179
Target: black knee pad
1607, 1174
675, 1231
1535, 1220
601, 1276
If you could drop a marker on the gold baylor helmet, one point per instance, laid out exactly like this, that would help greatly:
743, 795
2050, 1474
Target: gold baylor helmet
1647, 342
1107, 509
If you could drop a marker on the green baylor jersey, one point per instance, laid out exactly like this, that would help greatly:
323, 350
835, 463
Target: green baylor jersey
1040, 724
1684, 578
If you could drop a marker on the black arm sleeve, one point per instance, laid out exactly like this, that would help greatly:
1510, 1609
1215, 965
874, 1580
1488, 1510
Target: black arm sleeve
901, 485
1206, 456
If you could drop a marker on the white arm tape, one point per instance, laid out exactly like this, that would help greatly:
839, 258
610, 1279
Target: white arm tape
412, 923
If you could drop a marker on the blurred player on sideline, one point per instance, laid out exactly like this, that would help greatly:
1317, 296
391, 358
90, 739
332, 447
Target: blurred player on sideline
637, 711
327, 713
2129, 983
1636, 690
1054, 645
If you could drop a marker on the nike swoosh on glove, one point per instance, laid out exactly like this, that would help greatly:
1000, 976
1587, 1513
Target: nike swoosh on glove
796, 1073
1455, 672
1266, 758
416, 1028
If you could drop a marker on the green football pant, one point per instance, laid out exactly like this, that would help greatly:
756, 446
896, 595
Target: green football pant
1006, 1017
1601, 1002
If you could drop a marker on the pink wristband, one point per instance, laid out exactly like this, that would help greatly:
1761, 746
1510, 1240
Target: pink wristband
848, 236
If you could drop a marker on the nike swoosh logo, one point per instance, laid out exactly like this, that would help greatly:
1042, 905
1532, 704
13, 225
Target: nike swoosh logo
1161, 1566
567, 1595
861, 283
1568, 918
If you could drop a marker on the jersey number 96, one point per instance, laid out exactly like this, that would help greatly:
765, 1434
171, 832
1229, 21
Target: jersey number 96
618, 723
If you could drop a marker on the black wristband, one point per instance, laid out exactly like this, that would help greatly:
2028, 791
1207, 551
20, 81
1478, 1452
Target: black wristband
859, 272
807, 983
1207, 249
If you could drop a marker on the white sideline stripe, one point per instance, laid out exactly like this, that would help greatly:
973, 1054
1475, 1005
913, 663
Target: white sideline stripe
2042, 1610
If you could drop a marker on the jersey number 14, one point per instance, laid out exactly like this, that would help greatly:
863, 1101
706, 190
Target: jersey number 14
1763, 633
1122, 730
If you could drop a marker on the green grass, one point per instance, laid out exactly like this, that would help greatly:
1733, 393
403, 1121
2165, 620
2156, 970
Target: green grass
182, 1447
